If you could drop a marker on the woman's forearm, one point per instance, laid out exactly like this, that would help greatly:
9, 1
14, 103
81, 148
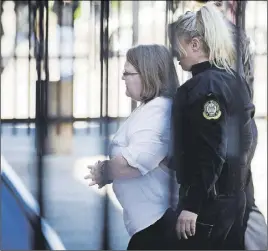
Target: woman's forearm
118, 168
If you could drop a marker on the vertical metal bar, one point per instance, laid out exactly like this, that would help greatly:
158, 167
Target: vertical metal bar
118, 62
96, 53
239, 62
89, 64
95, 34
238, 19
58, 88
101, 61
35, 46
135, 22
40, 127
243, 24
29, 63
46, 69
106, 59
153, 4
255, 16
73, 58
14, 124
168, 20
135, 37
1, 62
106, 4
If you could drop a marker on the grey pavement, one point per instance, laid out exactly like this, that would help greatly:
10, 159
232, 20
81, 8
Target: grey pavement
75, 210
72, 208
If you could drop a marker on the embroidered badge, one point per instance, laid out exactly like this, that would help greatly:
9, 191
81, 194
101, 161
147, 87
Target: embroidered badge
211, 110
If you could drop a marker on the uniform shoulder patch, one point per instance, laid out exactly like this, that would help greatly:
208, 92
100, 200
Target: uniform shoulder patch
211, 110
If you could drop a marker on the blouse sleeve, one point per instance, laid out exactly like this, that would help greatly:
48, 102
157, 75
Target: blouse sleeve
148, 139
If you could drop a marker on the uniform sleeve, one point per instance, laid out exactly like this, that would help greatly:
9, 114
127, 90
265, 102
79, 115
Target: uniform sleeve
207, 117
148, 141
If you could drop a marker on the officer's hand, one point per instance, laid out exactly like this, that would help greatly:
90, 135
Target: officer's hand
186, 224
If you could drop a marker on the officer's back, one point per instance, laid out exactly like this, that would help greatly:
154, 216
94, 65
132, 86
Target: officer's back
232, 94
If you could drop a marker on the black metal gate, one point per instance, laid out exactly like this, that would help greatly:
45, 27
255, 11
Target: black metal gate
104, 48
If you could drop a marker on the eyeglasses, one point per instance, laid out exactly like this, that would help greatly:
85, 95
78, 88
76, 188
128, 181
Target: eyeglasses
125, 73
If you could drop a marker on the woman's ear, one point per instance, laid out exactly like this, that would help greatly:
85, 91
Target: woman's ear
195, 44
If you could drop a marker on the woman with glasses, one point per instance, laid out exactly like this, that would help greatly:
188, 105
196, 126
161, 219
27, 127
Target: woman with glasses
213, 127
140, 177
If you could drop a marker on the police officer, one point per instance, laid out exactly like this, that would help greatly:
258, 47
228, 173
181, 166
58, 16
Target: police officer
213, 118
254, 221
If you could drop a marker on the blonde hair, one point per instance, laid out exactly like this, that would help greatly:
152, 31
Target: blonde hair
155, 65
209, 25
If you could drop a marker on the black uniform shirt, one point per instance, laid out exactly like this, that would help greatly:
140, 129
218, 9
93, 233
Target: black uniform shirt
211, 115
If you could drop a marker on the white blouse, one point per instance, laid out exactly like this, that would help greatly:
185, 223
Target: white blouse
143, 140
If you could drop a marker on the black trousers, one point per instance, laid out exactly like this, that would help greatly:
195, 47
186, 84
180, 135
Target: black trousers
162, 236
219, 227
158, 236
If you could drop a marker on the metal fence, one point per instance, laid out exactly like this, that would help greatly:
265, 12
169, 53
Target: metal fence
86, 45
61, 64
60, 57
